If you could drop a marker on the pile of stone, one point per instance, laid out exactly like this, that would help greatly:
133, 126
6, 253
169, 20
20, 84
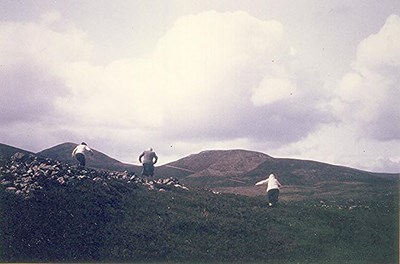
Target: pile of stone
26, 173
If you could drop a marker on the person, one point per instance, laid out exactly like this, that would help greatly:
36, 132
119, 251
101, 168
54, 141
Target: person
79, 153
272, 189
149, 159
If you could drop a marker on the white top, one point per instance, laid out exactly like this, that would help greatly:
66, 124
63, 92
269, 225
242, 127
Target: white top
272, 183
81, 149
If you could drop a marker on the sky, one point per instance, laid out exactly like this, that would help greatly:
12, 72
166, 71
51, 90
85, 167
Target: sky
308, 79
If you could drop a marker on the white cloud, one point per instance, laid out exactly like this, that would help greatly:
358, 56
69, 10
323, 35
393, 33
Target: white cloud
213, 77
214, 80
271, 90
210, 61
50, 18
203, 80
213, 68
340, 144
381, 50
369, 95
32, 59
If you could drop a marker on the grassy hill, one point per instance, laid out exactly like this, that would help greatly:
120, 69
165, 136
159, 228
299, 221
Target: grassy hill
99, 160
115, 220
236, 171
126, 223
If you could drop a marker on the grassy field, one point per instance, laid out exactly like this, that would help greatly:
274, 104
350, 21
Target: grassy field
121, 222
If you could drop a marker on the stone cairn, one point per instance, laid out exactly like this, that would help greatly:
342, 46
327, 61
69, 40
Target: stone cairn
26, 173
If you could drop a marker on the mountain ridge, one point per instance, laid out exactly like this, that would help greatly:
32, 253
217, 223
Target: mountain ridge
99, 160
233, 171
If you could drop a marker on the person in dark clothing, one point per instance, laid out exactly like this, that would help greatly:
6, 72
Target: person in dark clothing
148, 158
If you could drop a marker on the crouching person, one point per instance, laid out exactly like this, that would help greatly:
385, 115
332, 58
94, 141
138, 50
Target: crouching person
79, 153
273, 186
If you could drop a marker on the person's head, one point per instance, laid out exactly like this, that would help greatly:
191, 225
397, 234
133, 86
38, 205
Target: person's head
272, 176
83, 143
150, 149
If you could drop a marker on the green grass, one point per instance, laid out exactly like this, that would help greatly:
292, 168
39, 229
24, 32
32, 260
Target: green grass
121, 222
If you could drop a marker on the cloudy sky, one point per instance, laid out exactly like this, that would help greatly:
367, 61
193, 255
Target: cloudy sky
311, 79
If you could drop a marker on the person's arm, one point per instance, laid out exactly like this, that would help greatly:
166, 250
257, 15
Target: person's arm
89, 150
155, 159
74, 151
279, 184
262, 182
140, 157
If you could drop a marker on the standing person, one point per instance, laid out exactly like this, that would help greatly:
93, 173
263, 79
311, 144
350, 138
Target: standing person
79, 153
272, 189
149, 159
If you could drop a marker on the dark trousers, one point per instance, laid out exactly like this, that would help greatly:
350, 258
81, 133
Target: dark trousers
273, 196
148, 169
81, 158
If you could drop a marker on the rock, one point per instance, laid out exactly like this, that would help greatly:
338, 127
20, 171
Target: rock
61, 180
17, 156
11, 189
23, 174
6, 183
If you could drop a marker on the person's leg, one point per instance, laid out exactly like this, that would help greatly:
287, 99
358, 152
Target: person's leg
81, 159
274, 196
146, 169
151, 170
270, 197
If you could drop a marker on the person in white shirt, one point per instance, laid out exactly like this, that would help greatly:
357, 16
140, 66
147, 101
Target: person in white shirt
272, 189
79, 153
149, 159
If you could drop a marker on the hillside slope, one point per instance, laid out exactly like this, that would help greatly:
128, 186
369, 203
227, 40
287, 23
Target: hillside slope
249, 166
7, 151
221, 162
214, 163
236, 171
97, 216
99, 160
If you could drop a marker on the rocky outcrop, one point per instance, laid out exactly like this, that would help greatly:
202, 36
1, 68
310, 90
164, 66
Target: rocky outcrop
26, 173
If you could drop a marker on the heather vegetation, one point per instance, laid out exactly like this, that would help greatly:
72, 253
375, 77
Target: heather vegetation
93, 221
54, 212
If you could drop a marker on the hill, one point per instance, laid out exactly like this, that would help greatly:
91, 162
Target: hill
54, 212
221, 162
214, 163
99, 160
236, 171
7, 151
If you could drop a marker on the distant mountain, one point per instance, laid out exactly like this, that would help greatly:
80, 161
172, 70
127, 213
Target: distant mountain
306, 172
234, 171
238, 170
221, 162
99, 160
216, 164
